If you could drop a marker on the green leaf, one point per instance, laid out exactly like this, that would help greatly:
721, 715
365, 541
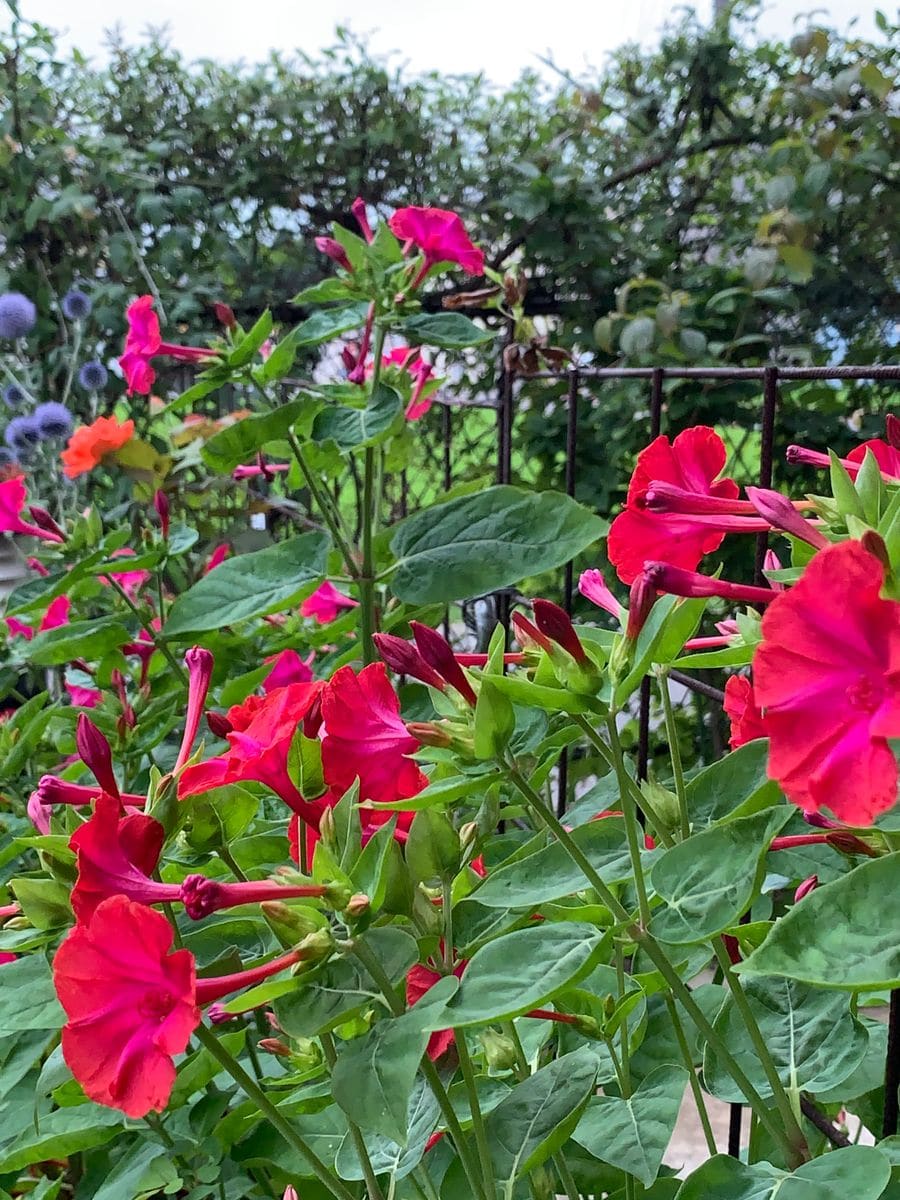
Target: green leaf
248, 347
237, 443
798, 262
859, 951
633, 1134
495, 721
737, 785
78, 639
351, 428
442, 793
523, 970
61, 1134
850, 1173
813, 1039
328, 323
326, 292
710, 880
477, 544
143, 1170
45, 902
250, 585
449, 331
27, 997
389, 1157
671, 622
549, 874
537, 1117
305, 765
374, 1075
344, 986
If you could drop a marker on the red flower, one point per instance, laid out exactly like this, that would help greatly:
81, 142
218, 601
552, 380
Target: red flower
440, 235
262, 729
886, 455
90, 444
326, 603
419, 981
421, 371
13, 496
144, 341
57, 614
287, 667
365, 736
115, 857
217, 557
747, 721
692, 463
131, 1005
827, 676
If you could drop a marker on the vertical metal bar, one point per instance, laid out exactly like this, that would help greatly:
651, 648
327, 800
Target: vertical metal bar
504, 446
562, 778
404, 494
447, 436
892, 1069
766, 457
643, 758
734, 1130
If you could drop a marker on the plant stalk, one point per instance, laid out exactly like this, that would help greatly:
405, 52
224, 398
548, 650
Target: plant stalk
372, 1185
478, 1126
675, 752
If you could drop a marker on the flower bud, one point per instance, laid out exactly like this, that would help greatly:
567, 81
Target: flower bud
293, 920
290, 1193
218, 723
225, 315
358, 904
337, 896
438, 653
807, 886
335, 251
44, 521
316, 946
96, 755
358, 208
327, 831
555, 623
874, 543
161, 504
499, 1050
528, 634
892, 431
404, 659
641, 599
429, 733
274, 1046
781, 514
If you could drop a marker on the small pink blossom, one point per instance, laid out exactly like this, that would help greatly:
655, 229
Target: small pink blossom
326, 603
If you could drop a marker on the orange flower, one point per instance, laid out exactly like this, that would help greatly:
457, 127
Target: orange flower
89, 444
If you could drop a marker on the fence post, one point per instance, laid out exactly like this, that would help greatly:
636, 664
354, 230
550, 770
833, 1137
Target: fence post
562, 778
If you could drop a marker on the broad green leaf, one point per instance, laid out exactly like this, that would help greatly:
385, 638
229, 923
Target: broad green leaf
523, 970
328, 291
549, 874
62, 1133
350, 427
710, 880
538, 1115
27, 997
144, 1169
449, 331
442, 793
672, 621
859, 951
248, 347
328, 323
322, 1131
813, 1038
736, 785
476, 544
344, 986
386, 1156
851, 1173
633, 1134
78, 639
237, 443
250, 585
551, 699
374, 1075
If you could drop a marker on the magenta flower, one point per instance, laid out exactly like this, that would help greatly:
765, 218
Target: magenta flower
440, 235
326, 603
12, 501
143, 342
57, 614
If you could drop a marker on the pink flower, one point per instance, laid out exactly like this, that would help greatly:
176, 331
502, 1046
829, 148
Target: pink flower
326, 603
365, 737
692, 463
288, 667
593, 587
827, 677
419, 981
83, 697
57, 614
421, 371
217, 557
747, 721
440, 235
886, 455
13, 497
143, 342
130, 581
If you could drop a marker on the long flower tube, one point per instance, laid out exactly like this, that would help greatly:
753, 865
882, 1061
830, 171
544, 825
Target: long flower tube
678, 582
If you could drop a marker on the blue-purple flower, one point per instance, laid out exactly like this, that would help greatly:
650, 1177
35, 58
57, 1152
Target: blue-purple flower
22, 434
17, 315
76, 305
53, 420
14, 395
93, 376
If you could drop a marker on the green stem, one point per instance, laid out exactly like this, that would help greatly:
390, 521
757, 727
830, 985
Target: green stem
160, 1130
660, 960
277, 1119
623, 1025
230, 862
372, 1184
322, 504
566, 1178
73, 358
478, 1126
251, 1051
659, 828
367, 523
675, 753
397, 1007
633, 831
697, 1091
792, 1129
158, 641
447, 911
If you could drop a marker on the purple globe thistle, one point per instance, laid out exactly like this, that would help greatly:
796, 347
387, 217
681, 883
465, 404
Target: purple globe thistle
14, 395
17, 315
7, 458
93, 376
22, 434
76, 305
53, 420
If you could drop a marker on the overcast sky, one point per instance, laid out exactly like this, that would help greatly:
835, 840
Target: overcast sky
499, 37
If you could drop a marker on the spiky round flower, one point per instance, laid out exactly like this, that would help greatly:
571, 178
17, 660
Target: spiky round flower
22, 433
14, 395
53, 419
17, 315
76, 305
93, 376
7, 458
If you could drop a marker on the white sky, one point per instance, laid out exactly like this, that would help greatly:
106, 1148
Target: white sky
499, 37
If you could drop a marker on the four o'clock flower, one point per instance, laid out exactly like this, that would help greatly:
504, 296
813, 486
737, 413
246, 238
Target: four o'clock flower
747, 721
96, 755
438, 654
143, 342
12, 502
675, 581
440, 235
199, 663
325, 603
593, 587
691, 463
335, 251
57, 614
358, 208
404, 659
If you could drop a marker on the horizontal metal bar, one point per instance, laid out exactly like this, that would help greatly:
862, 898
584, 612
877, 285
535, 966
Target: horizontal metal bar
876, 372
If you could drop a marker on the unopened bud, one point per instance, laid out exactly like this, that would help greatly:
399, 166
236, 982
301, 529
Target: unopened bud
316, 946
335, 251
274, 1046
807, 886
358, 905
468, 836
290, 1193
225, 315
218, 723
438, 653
95, 753
337, 896
17, 923
358, 208
555, 623
349, 355
328, 831
295, 921
404, 659
641, 599
44, 521
161, 504
528, 635
499, 1050
429, 733
874, 543
892, 431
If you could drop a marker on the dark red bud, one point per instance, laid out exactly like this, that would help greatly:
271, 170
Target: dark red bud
349, 356
44, 521
526, 633
641, 599
161, 504
874, 543
892, 430
556, 624
358, 208
438, 653
807, 886
225, 315
404, 659
219, 725
96, 754
335, 251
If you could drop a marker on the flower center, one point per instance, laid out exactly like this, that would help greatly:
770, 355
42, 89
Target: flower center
156, 1004
865, 694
